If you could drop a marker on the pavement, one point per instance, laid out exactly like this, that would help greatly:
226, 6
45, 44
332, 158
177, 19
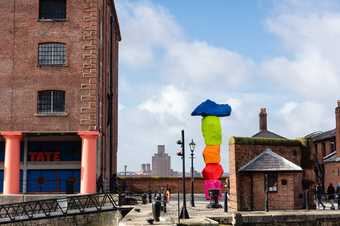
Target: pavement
198, 215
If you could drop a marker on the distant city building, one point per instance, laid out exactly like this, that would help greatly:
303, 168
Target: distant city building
161, 163
146, 169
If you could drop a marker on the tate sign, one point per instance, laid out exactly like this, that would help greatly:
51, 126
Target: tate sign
44, 156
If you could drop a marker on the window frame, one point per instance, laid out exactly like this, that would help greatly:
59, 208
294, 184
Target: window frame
272, 177
52, 19
51, 103
52, 64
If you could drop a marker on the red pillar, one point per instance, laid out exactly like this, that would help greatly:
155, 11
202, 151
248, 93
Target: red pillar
88, 162
12, 163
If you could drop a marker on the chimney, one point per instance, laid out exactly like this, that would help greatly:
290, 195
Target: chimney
337, 129
263, 119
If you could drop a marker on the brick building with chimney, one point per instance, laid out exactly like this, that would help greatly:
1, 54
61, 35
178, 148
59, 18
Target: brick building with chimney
267, 162
58, 94
292, 167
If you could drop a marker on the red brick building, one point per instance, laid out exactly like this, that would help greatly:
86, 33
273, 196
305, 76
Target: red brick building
317, 154
326, 151
58, 94
266, 155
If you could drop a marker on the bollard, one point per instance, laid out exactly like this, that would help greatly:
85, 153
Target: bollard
144, 199
121, 199
156, 209
164, 205
150, 197
225, 201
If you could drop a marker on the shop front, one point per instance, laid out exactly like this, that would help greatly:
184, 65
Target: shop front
51, 163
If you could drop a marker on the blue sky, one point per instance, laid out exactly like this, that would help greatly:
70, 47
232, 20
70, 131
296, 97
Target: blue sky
174, 54
235, 25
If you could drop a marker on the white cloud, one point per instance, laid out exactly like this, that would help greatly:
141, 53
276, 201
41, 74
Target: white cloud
170, 102
145, 28
309, 34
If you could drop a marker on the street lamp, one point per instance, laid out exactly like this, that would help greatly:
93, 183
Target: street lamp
184, 212
192, 149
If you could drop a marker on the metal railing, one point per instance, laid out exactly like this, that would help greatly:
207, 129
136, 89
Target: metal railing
58, 207
327, 201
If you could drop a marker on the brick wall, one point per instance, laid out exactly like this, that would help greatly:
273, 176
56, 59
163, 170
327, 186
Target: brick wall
146, 184
85, 78
241, 152
332, 173
88, 81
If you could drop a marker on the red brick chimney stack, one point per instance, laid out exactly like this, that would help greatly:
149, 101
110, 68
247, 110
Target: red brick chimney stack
337, 128
263, 119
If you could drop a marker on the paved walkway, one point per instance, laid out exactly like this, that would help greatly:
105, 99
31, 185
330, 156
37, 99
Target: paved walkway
198, 215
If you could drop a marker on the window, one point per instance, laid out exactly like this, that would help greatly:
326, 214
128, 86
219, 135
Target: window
272, 182
51, 101
52, 54
52, 9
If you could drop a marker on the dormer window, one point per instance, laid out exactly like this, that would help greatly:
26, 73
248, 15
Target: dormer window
52, 9
52, 54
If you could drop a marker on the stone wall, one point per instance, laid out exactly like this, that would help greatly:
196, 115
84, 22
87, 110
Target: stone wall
97, 219
303, 218
154, 184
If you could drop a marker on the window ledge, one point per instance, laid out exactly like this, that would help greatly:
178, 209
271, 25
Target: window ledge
52, 114
52, 66
52, 20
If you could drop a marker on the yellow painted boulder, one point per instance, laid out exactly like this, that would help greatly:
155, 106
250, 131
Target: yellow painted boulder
211, 154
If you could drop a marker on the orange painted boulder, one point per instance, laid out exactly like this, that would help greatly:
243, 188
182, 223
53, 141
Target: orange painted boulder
211, 154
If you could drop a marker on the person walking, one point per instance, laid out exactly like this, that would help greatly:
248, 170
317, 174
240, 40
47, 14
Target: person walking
168, 194
331, 194
100, 184
337, 195
318, 194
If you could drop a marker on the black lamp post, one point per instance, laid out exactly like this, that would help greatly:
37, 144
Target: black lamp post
192, 149
184, 212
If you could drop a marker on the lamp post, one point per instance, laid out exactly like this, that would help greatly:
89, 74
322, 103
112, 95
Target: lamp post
184, 212
192, 149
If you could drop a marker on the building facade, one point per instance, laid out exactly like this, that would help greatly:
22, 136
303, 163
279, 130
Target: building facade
317, 154
265, 162
161, 163
325, 147
58, 92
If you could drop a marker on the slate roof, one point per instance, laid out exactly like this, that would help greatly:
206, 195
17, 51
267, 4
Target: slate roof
269, 161
331, 157
325, 135
268, 134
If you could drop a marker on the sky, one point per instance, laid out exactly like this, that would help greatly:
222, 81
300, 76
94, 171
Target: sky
174, 54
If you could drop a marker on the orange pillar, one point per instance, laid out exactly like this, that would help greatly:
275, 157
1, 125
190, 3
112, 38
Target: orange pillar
88, 162
12, 163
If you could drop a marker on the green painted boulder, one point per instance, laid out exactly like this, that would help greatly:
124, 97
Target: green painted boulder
211, 130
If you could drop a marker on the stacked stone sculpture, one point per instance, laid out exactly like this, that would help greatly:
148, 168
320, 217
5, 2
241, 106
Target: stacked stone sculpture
212, 134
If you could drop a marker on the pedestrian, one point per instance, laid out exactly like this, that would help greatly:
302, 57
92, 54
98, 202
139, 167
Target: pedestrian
168, 194
338, 195
114, 184
318, 194
100, 184
331, 194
